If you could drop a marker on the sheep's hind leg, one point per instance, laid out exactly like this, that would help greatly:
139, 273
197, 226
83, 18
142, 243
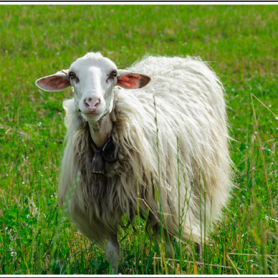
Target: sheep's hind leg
169, 247
112, 252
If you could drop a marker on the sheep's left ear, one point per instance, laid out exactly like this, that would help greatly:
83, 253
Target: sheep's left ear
130, 80
55, 82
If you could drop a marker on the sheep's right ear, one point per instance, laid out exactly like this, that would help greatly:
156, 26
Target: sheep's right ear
55, 82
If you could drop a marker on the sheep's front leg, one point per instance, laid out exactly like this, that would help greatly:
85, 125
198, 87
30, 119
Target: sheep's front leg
112, 252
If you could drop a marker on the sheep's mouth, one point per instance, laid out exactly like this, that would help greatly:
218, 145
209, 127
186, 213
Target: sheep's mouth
90, 114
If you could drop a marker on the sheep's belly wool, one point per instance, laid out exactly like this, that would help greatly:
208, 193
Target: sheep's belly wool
182, 156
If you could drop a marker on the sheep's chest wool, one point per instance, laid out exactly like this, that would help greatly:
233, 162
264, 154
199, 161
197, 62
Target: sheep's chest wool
170, 136
103, 199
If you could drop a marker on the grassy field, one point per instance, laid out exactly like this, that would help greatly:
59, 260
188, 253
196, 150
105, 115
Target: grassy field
240, 42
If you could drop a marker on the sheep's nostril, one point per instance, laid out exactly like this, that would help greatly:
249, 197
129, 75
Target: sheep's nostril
86, 102
96, 103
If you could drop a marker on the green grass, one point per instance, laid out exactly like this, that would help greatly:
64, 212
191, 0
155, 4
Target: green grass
240, 42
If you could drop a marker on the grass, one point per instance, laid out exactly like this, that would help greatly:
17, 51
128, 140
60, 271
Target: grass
240, 44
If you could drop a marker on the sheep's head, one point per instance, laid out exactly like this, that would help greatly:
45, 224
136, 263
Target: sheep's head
93, 78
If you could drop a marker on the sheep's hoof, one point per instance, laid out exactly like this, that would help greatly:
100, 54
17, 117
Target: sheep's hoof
198, 248
199, 260
114, 270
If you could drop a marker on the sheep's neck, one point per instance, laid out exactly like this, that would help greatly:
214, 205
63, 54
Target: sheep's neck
101, 131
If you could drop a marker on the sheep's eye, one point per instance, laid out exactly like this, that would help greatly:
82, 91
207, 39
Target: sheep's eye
72, 75
113, 74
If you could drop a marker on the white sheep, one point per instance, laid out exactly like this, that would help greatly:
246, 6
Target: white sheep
120, 157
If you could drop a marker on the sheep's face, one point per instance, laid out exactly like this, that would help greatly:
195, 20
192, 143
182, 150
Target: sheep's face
93, 78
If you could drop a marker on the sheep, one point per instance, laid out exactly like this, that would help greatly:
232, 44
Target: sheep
155, 133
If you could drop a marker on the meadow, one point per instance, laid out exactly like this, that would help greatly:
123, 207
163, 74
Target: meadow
239, 42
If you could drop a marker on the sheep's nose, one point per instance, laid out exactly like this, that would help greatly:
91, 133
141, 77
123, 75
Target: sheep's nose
90, 103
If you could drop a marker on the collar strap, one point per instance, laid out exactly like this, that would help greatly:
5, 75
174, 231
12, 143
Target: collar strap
102, 154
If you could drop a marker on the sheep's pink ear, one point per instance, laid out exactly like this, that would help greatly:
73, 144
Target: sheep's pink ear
55, 82
130, 80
